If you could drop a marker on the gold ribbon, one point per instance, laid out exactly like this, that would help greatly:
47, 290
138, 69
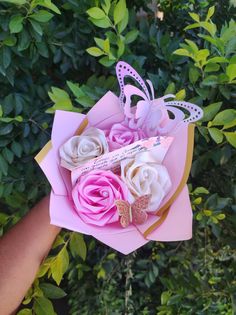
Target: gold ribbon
164, 210
82, 126
41, 155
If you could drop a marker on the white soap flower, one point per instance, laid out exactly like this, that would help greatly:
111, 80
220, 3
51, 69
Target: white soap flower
143, 176
79, 149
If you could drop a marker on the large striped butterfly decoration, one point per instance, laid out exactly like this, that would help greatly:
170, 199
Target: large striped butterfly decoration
135, 212
150, 113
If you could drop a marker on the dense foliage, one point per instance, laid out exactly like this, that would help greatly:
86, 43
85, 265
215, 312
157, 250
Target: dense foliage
62, 55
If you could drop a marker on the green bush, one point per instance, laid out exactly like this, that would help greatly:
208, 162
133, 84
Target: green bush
62, 55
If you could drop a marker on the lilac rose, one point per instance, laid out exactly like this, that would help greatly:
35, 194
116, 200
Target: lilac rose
121, 135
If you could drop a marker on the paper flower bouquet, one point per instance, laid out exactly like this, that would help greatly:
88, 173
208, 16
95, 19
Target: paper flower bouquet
119, 173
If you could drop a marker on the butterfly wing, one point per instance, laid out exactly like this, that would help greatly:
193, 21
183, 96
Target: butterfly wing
123, 208
138, 208
181, 112
127, 91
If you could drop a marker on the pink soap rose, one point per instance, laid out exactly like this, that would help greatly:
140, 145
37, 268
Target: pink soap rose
94, 197
121, 135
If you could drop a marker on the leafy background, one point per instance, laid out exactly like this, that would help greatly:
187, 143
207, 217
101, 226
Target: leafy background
61, 55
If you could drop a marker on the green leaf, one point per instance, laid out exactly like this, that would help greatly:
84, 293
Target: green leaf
103, 23
106, 46
111, 256
224, 117
25, 311
194, 16
3, 218
99, 42
200, 190
180, 95
211, 67
231, 72
194, 75
9, 119
214, 41
124, 22
16, 148
211, 80
16, 2
210, 111
210, 13
61, 99
207, 213
59, 241
232, 59
165, 296
60, 265
10, 41
191, 26
230, 124
182, 52
49, 5
216, 135
8, 155
16, 24
3, 166
197, 201
210, 27
96, 13
223, 78
106, 5
5, 128
43, 269
36, 26
193, 46
6, 54
121, 47
101, 274
224, 90
75, 89
175, 299
202, 55
119, 11
231, 138
217, 60
23, 40
221, 216
95, 51
131, 36
105, 61
43, 306
42, 16
78, 246
170, 88
51, 291
58, 95
85, 101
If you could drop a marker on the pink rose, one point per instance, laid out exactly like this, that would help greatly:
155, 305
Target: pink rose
94, 197
121, 135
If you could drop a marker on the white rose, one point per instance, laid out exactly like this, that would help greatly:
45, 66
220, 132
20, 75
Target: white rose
144, 176
79, 149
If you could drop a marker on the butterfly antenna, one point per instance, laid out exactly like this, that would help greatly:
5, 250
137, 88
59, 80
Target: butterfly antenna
151, 88
130, 214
